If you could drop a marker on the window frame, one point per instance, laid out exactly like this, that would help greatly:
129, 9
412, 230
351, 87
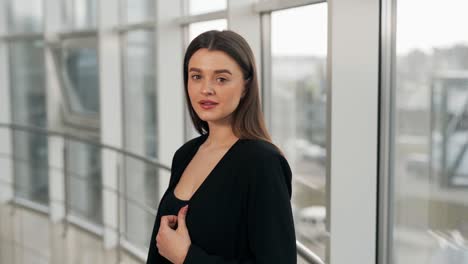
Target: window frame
70, 117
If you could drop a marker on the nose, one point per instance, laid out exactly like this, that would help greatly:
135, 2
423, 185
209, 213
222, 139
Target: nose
207, 88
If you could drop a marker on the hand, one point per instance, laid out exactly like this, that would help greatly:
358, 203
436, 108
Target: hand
172, 243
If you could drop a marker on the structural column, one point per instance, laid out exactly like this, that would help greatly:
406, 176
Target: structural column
243, 19
111, 114
53, 92
6, 162
353, 72
169, 82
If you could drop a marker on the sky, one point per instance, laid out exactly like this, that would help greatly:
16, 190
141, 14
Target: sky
425, 24
300, 31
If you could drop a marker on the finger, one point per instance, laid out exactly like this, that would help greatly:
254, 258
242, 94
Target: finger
173, 225
163, 220
171, 218
173, 221
167, 219
181, 217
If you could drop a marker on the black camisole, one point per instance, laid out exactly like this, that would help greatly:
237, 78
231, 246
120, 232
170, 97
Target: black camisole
171, 204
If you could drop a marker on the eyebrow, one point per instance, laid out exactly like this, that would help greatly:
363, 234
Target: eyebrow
216, 71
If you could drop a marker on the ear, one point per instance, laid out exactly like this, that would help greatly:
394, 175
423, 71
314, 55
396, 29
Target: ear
244, 92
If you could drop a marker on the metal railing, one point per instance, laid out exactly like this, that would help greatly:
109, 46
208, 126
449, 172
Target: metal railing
137, 203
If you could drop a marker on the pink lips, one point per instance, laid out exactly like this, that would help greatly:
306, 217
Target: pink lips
207, 104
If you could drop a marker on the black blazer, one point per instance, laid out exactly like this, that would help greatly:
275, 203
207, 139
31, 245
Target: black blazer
242, 212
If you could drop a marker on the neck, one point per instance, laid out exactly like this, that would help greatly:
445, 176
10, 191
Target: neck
220, 135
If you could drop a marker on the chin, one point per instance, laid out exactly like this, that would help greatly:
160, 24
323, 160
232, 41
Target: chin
208, 118
211, 117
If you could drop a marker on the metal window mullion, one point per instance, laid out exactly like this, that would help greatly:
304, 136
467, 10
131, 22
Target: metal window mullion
72, 23
123, 188
185, 7
186, 115
43, 18
185, 28
6, 142
266, 66
22, 37
6, 16
78, 34
145, 25
8, 73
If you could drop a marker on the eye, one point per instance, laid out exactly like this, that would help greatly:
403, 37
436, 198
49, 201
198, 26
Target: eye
221, 80
196, 77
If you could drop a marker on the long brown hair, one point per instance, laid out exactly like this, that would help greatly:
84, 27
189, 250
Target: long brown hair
248, 121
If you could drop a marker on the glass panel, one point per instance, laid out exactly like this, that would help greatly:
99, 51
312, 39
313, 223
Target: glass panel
299, 100
204, 6
196, 29
81, 79
140, 127
31, 166
29, 108
140, 94
139, 10
25, 16
141, 184
430, 162
83, 172
80, 14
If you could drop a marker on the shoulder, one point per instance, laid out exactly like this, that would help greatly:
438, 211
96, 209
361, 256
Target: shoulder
190, 144
187, 147
263, 155
260, 150
266, 163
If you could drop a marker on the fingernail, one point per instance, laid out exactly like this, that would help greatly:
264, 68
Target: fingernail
186, 209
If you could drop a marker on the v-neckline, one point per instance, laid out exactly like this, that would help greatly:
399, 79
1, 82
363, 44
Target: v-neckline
190, 157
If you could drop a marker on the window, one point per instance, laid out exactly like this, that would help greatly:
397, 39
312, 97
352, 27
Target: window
196, 29
140, 127
84, 181
298, 98
430, 156
80, 82
138, 10
79, 75
29, 108
79, 14
25, 16
140, 93
196, 7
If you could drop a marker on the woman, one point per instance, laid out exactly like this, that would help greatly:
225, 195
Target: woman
228, 199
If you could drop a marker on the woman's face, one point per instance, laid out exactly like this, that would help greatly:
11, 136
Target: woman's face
216, 77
